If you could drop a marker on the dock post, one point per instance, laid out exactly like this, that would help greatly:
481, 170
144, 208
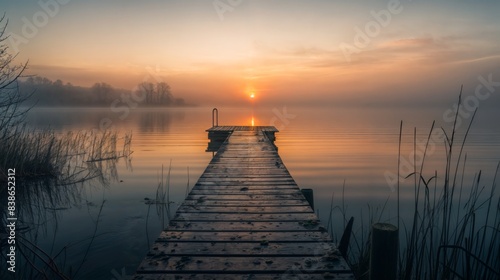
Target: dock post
384, 252
309, 195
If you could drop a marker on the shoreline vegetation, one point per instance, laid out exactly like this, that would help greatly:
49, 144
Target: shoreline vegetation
51, 172
43, 92
454, 231
65, 158
42, 154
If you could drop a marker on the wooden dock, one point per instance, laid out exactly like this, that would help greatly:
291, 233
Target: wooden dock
245, 218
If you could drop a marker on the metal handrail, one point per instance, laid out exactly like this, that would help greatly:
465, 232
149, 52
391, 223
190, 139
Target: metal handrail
215, 117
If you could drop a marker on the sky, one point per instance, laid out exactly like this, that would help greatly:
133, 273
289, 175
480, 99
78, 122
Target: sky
284, 52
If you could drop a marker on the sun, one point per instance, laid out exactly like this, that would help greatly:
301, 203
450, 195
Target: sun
252, 95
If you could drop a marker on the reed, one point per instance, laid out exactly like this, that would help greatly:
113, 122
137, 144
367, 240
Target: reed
67, 158
54, 170
162, 198
454, 229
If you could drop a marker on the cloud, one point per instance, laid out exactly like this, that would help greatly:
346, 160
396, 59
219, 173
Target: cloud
410, 43
478, 59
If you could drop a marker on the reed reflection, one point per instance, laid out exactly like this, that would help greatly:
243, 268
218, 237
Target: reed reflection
77, 164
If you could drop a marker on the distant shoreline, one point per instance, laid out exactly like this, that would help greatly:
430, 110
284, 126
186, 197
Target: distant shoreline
83, 106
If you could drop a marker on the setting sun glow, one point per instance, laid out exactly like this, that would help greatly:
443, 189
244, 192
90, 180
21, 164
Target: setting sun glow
313, 52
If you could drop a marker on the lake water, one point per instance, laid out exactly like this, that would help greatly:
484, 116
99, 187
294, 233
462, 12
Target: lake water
322, 148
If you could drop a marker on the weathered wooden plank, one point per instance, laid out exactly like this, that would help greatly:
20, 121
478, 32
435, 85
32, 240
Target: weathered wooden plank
244, 209
204, 182
242, 168
218, 160
266, 248
246, 236
250, 203
290, 226
238, 187
247, 172
252, 162
270, 180
262, 169
255, 165
243, 191
246, 153
196, 216
247, 167
222, 153
269, 171
242, 183
249, 150
247, 179
293, 274
248, 176
262, 163
254, 140
256, 149
165, 264
245, 197
260, 140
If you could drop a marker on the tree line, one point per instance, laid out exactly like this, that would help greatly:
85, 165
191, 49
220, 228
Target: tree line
45, 92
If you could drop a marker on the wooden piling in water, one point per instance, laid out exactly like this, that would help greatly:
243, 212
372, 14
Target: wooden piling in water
384, 252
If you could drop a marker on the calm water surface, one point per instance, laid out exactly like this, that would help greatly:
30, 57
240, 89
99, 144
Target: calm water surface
322, 148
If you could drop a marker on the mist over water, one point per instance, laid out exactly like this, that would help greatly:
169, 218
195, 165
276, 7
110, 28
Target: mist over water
322, 147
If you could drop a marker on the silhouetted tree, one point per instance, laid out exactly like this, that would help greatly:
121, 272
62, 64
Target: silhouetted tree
148, 90
38, 81
164, 95
58, 84
156, 94
10, 97
102, 91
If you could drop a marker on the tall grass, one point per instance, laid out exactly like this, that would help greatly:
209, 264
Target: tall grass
52, 171
445, 240
454, 229
162, 200
67, 158
163, 196
50, 168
